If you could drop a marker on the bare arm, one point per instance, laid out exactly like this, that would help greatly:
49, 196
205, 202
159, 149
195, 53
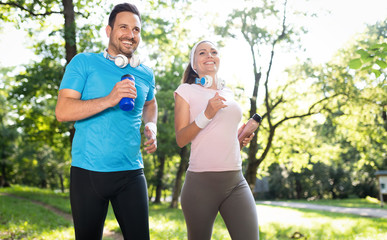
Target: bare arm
150, 111
184, 130
70, 107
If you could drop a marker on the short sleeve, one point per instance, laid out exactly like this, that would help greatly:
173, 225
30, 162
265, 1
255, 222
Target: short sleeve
184, 91
151, 92
75, 75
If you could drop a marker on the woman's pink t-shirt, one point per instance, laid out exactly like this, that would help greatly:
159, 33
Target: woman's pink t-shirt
216, 147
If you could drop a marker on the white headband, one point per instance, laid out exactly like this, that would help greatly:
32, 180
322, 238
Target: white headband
193, 52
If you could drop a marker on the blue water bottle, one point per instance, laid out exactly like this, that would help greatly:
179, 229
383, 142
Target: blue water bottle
127, 104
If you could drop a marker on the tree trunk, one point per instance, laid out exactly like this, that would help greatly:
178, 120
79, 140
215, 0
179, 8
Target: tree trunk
69, 29
251, 174
253, 161
62, 188
251, 171
159, 179
3, 178
150, 192
70, 40
298, 187
179, 175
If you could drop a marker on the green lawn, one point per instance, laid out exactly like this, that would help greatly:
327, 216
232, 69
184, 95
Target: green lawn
21, 219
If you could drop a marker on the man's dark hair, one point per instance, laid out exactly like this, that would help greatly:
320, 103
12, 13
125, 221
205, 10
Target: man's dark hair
123, 7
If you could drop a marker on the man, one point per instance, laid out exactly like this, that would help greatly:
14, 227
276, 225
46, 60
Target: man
106, 157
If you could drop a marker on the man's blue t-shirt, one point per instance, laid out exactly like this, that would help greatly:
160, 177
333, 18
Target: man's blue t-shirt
110, 140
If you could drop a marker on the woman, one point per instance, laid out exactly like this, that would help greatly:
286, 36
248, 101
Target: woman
207, 116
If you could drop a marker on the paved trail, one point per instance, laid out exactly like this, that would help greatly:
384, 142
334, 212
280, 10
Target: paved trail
365, 212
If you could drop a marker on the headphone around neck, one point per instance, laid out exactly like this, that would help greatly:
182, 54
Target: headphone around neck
121, 60
206, 81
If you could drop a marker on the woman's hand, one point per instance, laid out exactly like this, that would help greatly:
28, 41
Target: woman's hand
246, 140
214, 105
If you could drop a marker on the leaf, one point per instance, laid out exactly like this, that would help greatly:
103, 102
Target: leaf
375, 47
381, 64
366, 67
367, 59
376, 72
362, 53
355, 63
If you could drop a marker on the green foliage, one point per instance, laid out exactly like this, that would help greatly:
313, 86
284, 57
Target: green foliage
21, 11
8, 136
265, 27
375, 59
43, 155
335, 143
373, 54
44, 150
345, 142
159, 33
317, 181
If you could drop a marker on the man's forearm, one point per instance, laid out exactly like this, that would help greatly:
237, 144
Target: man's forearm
71, 109
150, 111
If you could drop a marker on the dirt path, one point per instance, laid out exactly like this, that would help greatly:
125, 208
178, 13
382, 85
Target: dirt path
365, 212
106, 232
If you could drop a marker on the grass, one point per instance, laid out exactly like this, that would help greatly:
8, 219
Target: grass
55, 199
169, 224
21, 219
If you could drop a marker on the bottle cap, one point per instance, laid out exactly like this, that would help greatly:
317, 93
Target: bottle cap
128, 76
257, 118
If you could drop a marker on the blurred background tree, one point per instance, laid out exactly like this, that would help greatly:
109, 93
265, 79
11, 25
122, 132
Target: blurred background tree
324, 129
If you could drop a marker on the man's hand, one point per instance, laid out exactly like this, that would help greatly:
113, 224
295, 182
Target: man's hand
150, 132
125, 88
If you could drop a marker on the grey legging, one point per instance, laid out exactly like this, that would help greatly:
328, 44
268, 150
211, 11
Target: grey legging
204, 194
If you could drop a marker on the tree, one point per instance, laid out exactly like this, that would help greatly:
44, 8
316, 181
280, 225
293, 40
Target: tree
374, 57
265, 27
347, 143
160, 33
8, 135
34, 95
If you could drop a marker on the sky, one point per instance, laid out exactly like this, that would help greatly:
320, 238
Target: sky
338, 22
